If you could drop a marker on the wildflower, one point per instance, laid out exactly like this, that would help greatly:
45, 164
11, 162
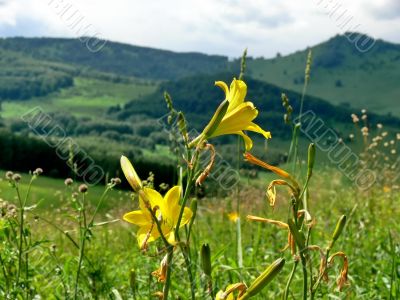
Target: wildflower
38, 171
238, 117
379, 126
351, 136
83, 188
365, 131
68, 181
392, 142
16, 177
166, 210
355, 118
364, 111
387, 189
233, 216
9, 175
384, 134
393, 151
398, 136
364, 117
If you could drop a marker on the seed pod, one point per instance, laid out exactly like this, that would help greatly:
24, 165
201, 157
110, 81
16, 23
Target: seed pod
216, 119
264, 279
338, 230
311, 159
206, 259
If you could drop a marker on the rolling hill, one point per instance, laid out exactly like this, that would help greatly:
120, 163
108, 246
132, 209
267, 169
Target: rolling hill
340, 74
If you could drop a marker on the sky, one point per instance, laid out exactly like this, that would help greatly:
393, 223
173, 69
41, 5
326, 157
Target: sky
225, 27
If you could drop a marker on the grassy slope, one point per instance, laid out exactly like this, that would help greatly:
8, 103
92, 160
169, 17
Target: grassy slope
88, 98
369, 80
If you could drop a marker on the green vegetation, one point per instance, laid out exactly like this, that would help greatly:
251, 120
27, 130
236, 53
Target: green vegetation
88, 98
118, 58
340, 74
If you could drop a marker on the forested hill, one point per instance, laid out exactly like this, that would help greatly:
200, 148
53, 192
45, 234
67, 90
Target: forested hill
118, 58
341, 73
198, 98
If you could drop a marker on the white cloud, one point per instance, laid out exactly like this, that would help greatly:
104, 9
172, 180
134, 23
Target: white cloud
223, 27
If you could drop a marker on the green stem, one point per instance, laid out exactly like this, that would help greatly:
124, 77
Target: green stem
4, 273
83, 233
167, 284
99, 204
186, 256
289, 282
305, 275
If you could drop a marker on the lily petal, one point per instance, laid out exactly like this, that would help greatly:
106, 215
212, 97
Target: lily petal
237, 120
237, 93
148, 233
223, 87
187, 215
255, 128
154, 197
171, 201
137, 217
247, 141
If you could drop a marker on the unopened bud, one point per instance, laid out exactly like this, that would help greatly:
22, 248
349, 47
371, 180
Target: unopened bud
193, 208
311, 159
130, 174
338, 230
206, 259
264, 279
132, 279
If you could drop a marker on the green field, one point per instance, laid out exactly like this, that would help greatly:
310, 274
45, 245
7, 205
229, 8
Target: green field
88, 98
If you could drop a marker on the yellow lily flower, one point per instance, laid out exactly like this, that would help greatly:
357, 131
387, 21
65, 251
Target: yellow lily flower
166, 209
239, 115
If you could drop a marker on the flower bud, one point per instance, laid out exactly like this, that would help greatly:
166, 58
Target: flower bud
68, 181
311, 159
206, 259
83, 188
38, 171
338, 230
193, 208
132, 279
264, 279
130, 174
16, 177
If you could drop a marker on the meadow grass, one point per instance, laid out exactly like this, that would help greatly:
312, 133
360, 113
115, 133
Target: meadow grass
115, 257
